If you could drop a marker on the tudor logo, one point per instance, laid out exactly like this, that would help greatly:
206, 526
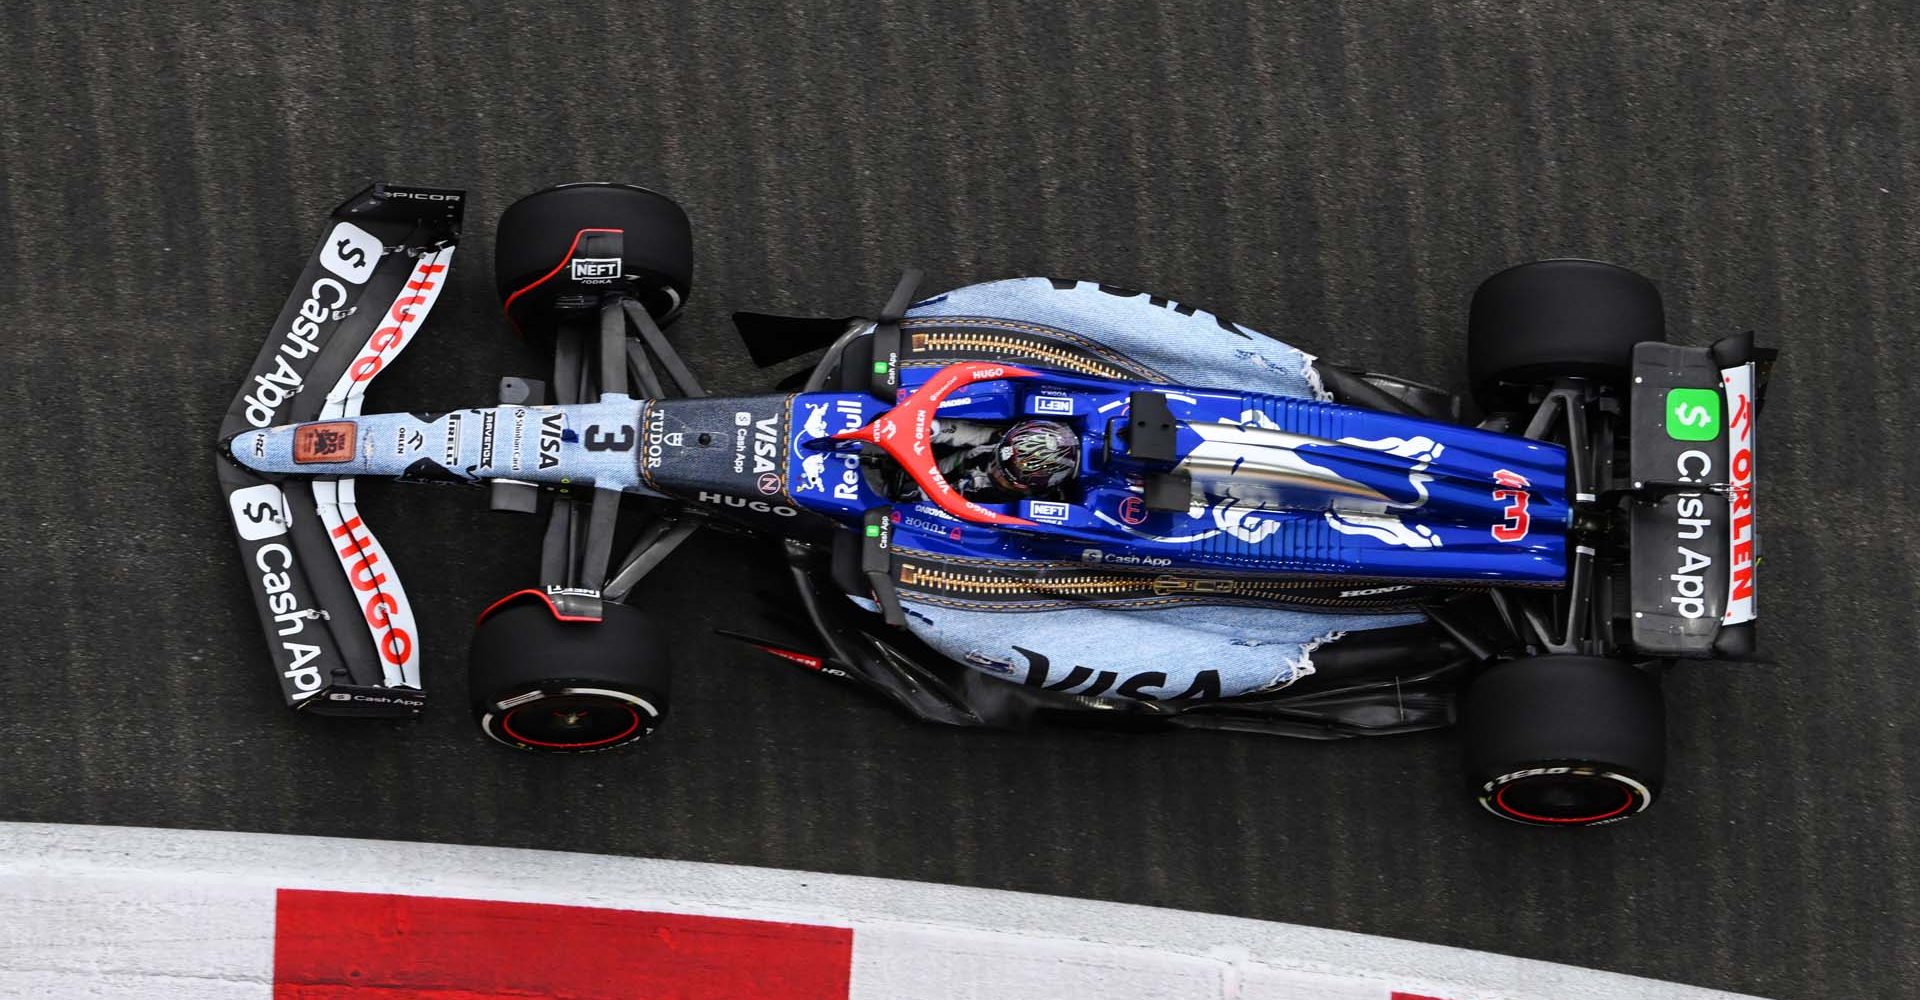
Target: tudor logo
657, 438
595, 269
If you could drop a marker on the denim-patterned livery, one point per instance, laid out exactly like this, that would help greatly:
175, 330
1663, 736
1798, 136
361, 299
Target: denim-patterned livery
1308, 519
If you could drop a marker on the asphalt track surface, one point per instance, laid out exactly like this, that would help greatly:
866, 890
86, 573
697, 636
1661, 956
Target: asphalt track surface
1339, 175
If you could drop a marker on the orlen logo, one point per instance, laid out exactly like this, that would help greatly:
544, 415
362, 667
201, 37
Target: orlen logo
1740, 465
402, 319
595, 268
385, 614
656, 438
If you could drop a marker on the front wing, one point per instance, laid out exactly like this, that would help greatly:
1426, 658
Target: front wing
339, 627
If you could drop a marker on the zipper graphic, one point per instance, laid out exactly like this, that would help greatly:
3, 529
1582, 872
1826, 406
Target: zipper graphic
1008, 344
1068, 586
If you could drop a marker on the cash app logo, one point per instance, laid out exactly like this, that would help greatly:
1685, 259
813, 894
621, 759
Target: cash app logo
1693, 414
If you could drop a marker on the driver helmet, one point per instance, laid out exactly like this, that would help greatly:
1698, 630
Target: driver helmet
1035, 455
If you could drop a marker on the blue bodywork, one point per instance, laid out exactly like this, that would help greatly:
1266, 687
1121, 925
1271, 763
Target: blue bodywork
1281, 485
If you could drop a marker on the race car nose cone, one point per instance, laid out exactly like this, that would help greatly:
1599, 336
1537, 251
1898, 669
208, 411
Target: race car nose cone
249, 448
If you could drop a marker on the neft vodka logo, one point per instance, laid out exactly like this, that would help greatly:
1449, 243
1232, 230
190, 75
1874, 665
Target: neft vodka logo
350, 253
1048, 510
595, 270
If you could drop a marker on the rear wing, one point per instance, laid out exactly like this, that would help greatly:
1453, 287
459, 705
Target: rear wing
339, 628
1694, 464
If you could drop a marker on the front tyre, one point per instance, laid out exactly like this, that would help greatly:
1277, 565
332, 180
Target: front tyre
1562, 741
552, 686
557, 252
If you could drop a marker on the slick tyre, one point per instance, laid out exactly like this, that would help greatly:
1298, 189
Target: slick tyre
551, 686
1564, 741
541, 236
1534, 323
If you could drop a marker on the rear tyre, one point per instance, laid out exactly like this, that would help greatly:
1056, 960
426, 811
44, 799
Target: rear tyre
541, 236
550, 686
1565, 740
1534, 323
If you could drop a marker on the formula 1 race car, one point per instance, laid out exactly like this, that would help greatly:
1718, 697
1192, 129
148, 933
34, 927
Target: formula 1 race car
1028, 499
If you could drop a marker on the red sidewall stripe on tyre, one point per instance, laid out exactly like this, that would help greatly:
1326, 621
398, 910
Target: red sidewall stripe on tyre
1500, 799
507, 306
506, 726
